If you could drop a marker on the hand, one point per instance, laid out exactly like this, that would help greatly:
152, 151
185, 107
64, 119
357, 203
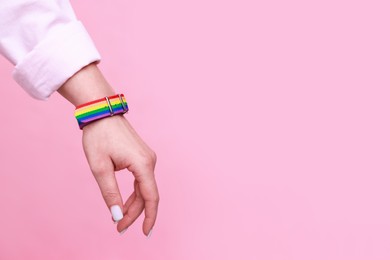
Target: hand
110, 145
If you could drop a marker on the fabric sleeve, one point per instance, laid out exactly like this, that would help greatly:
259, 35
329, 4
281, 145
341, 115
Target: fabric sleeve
45, 42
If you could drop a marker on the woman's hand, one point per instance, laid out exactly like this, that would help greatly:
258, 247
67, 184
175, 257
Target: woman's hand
110, 145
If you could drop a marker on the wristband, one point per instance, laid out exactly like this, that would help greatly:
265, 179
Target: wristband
101, 108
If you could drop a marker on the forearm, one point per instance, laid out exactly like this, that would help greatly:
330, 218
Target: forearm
86, 85
45, 42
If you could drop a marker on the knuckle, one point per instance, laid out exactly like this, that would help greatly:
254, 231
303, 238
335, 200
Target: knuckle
98, 168
156, 198
109, 195
148, 160
154, 156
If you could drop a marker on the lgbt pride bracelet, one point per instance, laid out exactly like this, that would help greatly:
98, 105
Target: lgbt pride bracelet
101, 108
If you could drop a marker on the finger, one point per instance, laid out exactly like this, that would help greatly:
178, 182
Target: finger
128, 202
134, 210
132, 197
149, 193
110, 191
126, 205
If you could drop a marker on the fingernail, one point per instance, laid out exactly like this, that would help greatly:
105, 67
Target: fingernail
116, 213
150, 233
123, 231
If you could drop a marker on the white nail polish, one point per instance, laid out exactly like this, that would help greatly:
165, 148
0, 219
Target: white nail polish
116, 213
123, 231
150, 233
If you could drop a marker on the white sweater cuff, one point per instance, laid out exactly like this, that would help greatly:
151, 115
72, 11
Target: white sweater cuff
56, 58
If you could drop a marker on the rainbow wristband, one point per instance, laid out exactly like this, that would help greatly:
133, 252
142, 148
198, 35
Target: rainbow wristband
101, 108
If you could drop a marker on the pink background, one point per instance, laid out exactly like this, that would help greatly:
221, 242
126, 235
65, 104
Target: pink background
270, 120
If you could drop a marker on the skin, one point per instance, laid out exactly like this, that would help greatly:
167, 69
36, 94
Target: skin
111, 144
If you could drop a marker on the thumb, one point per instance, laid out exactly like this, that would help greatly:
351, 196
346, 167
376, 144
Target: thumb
108, 185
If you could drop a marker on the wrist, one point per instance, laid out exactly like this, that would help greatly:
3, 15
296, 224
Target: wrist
101, 108
104, 123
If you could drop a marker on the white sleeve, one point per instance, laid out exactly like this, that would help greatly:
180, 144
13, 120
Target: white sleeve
45, 42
